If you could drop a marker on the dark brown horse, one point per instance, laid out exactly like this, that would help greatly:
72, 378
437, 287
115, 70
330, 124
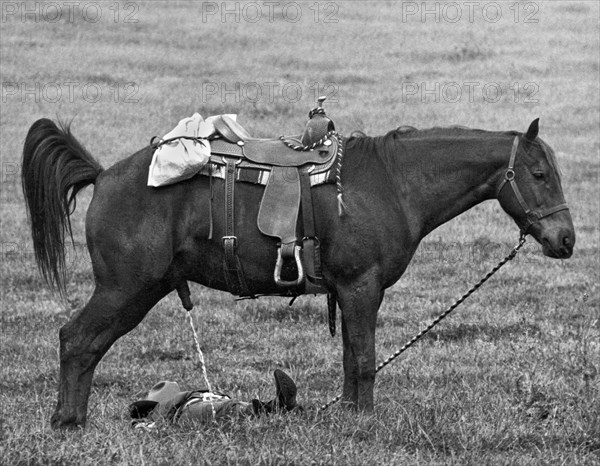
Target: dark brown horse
144, 242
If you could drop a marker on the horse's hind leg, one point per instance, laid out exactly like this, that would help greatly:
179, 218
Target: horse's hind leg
108, 315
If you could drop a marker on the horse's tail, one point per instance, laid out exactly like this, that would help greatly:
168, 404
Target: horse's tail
55, 168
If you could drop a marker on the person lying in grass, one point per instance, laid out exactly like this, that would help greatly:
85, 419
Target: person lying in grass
166, 401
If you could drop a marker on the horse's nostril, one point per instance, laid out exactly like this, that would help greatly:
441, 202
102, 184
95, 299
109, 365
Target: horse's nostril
567, 241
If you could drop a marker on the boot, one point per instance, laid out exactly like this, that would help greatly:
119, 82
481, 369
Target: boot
285, 391
260, 407
285, 396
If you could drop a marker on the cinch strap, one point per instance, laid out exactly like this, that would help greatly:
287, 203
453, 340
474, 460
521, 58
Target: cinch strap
311, 248
234, 273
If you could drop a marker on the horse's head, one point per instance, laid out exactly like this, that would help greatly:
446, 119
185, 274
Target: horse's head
531, 193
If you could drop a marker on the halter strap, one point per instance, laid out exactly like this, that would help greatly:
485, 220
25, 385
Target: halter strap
533, 216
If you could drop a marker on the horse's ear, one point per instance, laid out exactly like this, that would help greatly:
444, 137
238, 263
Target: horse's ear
532, 132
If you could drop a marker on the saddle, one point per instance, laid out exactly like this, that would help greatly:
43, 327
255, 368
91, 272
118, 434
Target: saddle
288, 167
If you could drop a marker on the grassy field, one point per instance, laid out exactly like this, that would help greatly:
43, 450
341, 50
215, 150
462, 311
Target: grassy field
512, 378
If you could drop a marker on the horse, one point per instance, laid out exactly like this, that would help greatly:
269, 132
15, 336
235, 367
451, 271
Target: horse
145, 242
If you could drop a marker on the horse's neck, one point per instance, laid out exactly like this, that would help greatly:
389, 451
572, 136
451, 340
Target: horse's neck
449, 176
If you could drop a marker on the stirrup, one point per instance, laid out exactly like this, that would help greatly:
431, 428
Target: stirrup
289, 283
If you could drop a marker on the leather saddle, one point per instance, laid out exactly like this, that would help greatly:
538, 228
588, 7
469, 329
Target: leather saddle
287, 166
272, 152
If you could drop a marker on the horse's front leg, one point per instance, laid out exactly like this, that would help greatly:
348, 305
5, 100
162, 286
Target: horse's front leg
359, 302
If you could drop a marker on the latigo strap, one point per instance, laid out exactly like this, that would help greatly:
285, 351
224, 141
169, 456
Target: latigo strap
234, 273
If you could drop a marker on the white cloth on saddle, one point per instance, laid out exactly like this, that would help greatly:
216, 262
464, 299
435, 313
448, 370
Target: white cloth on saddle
181, 159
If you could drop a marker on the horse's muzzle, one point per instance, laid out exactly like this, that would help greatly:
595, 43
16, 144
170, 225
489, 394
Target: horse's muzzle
558, 244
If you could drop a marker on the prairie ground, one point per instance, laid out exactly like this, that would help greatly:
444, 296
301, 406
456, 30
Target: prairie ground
511, 378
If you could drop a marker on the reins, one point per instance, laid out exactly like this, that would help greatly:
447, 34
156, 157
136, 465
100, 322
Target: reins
443, 315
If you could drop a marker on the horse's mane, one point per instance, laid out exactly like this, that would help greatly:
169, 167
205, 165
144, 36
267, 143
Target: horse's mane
386, 146
359, 140
455, 131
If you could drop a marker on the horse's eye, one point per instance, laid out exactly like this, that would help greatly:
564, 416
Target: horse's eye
538, 175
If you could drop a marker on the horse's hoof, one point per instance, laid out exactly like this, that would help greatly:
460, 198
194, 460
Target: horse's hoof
57, 422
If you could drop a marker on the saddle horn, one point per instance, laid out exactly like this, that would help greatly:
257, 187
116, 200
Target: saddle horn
318, 124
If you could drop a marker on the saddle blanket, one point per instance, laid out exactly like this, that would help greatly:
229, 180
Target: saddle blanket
181, 159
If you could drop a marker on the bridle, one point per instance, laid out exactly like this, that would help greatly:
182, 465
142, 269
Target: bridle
533, 216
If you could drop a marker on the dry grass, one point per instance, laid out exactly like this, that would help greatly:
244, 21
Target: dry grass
510, 379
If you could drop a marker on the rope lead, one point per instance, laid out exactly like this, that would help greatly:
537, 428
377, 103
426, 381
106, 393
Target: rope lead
444, 314
202, 364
